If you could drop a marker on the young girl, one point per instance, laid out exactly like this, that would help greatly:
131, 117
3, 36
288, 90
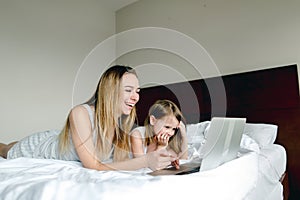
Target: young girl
96, 132
163, 129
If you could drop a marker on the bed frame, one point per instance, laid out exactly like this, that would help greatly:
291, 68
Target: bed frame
264, 96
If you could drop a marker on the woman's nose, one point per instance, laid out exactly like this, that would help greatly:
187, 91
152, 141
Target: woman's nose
135, 96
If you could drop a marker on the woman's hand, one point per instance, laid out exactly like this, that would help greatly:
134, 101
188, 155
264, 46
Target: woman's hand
160, 159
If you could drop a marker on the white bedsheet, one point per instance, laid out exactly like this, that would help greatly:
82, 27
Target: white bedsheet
273, 160
272, 165
253, 176
25, 178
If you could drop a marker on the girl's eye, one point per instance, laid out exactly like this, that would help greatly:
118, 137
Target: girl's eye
169, 127
127, 90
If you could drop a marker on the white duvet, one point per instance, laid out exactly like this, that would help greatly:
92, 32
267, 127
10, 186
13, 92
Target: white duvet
36, 179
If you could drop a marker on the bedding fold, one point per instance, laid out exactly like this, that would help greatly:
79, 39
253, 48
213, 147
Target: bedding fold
35, 179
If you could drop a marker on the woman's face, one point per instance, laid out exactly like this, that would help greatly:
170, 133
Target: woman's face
165, 125
129, 92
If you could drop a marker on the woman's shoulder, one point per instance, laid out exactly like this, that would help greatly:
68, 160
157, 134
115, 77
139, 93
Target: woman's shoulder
79, 109
82, 108
80, 112
79, 117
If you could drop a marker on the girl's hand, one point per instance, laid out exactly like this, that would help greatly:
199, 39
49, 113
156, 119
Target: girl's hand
162, 139
175, 163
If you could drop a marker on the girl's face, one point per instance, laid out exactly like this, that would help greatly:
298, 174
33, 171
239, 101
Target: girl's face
165, 125
129, 92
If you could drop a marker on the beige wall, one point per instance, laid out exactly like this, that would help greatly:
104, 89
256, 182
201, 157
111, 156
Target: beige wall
43, 44
238, 35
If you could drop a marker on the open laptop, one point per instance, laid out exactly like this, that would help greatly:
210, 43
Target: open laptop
222, 145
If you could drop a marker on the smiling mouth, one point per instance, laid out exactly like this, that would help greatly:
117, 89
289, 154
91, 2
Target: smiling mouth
131, 105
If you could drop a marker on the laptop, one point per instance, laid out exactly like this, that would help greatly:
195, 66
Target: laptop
222, 145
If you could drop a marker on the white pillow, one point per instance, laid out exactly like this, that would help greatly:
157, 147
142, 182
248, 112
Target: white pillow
196, 132
263, 134
249, 143
196, 135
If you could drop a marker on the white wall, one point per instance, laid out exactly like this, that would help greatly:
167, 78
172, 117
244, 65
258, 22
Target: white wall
42, 45
238, 35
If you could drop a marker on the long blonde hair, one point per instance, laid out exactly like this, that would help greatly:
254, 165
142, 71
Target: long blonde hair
106, 101
160, 109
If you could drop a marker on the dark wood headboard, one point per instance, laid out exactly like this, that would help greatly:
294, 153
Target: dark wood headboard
264, 96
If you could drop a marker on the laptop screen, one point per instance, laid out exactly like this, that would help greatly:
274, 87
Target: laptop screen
222, 145
222, 141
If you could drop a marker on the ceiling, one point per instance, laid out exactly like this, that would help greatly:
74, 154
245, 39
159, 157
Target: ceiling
118, 4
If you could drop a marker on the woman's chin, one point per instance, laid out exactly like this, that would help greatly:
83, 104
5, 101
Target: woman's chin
126, 112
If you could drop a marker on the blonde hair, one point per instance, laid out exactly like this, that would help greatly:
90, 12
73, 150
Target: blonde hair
106, 101
160, 109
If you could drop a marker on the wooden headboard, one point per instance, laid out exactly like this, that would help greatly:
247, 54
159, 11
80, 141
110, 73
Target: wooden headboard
264, 96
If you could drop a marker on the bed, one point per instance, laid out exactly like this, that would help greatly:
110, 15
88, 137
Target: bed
253, 175
260, 173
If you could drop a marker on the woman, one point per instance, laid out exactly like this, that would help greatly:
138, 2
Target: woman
163, 129
96, 133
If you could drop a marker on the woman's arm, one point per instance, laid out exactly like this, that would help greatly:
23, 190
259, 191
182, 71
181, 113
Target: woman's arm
81, 133
137, 145
154, 160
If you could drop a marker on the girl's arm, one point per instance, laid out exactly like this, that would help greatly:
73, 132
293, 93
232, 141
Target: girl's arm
184, 146
81, 133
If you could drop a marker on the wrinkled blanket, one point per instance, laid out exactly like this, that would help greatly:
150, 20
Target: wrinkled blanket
35, 179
